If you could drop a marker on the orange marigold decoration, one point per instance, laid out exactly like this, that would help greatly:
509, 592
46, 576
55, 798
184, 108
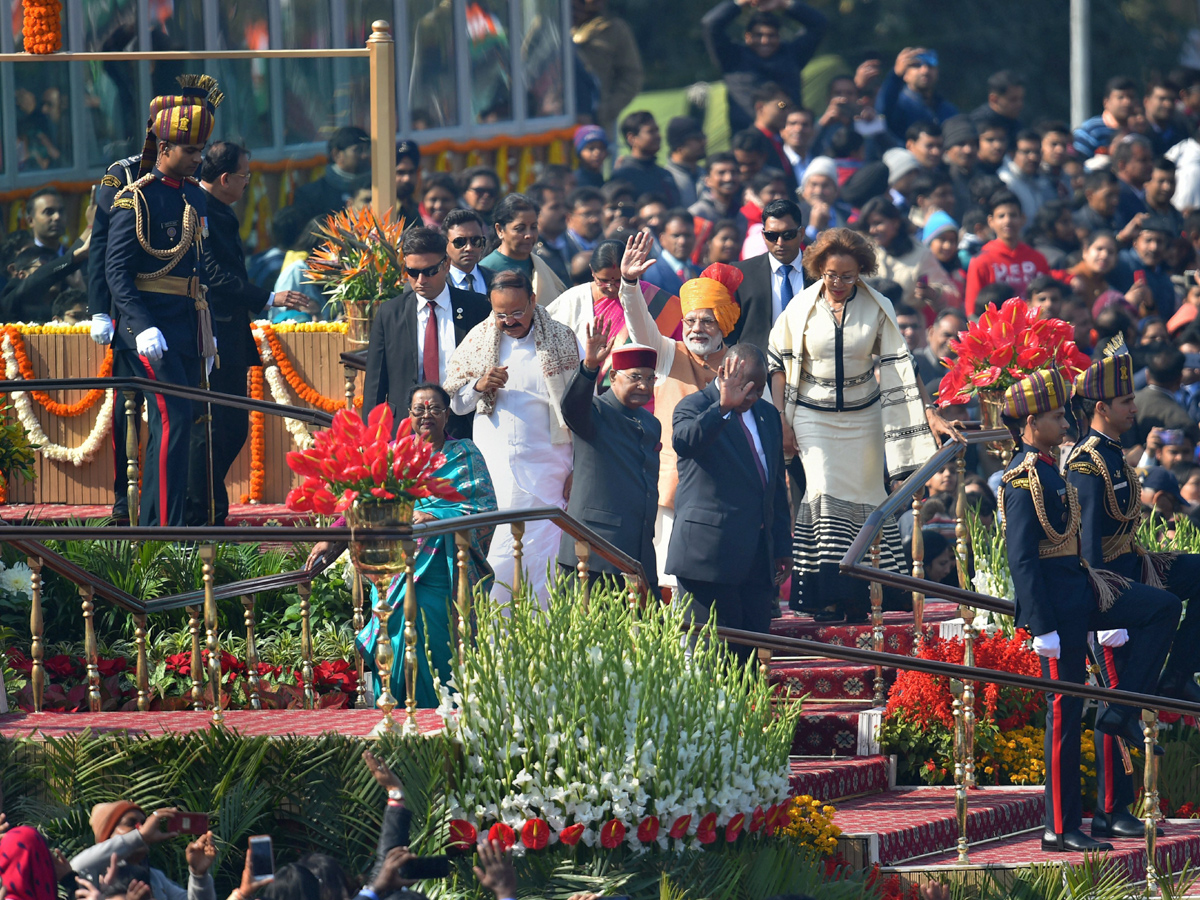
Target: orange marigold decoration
66, 410
41, 26
258, 442
3, 488
304, 391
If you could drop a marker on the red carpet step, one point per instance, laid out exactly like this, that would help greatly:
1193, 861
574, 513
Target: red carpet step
826, 679
271, 722
828, 779
1179, 844
899, 631
239, 513
906, 823
832, 729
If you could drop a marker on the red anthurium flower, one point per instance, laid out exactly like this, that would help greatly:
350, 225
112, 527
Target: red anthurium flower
462, 834
706, 831
612, 834
1001, 355
572, 833
986, 377
535, 834
757, 819
772, 813
734, 827
502, 833
1033, 357
648, 830
680, 828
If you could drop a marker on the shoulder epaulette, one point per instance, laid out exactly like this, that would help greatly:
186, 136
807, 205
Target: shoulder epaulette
110, 181
193, 179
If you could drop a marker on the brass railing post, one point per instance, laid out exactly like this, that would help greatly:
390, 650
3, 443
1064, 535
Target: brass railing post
962, 555
1150, 809
306, 651
197, 665
131, 454
351, 376
918, 570
212, 636
37, 649
518, 551
960, 769
383, 659
411, 611
764, 661
383, 117
356, 597
583, 553
90, 651
877, 622
252, 679
143, 674
462, 543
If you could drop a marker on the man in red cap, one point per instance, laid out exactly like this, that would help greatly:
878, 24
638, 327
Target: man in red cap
616, 443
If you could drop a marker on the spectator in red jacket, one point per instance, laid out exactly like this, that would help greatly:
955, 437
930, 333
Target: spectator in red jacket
1007, 258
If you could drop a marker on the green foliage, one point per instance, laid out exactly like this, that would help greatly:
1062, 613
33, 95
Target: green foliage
16, 452
1153, 535
1178, 768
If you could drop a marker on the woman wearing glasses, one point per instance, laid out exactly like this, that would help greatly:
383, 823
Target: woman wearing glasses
847, 425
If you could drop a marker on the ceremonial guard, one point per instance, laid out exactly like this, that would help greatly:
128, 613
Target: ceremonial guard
155, 272
1111, 511
1060, 598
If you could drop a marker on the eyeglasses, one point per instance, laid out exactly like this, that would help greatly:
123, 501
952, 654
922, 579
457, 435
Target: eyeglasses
607, 282
706, 324
428, 272
505, 318
483, 191
476, 241
772, 236
640, 380
420, 411
831, 278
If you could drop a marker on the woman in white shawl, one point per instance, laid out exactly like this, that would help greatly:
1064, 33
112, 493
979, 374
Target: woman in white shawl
848, 427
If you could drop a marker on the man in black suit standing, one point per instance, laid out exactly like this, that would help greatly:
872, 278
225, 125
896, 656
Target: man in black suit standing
614, 490
466, 236
730, 545
414, 335
773, 278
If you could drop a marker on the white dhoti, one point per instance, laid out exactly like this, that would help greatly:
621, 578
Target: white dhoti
664, 522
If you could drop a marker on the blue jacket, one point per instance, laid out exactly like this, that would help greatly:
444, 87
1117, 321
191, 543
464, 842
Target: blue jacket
1097, 521
901, 106
1158, 279
1092, 135
662, 276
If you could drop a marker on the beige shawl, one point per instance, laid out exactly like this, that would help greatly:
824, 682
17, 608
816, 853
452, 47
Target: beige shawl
557, 351
907, 440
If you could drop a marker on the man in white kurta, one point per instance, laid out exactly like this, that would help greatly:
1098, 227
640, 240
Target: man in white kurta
512, 370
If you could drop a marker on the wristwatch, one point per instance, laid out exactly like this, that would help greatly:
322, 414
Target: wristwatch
395, 794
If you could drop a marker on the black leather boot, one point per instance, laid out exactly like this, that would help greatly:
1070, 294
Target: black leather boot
1072, 842
1128, 729
1180, 687
1120, 824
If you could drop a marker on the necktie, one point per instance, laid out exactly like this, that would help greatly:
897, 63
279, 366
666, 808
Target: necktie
785, 289
762, 473
429, 353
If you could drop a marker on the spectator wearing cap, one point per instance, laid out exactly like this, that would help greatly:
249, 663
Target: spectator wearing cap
902, 168
640, 168
819, 198
909, 93
606, 46
349, 158
408, 182
940, 235
1145, 263
1161, 494
960, 144
763, 56
687, 145
591, 149
1120, 100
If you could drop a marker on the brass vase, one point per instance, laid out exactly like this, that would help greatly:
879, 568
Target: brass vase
990, 403
358, 322
380, 561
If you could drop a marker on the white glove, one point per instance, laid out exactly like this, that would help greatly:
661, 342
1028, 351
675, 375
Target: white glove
102, 329
1047, 645
151, 344
1115, 638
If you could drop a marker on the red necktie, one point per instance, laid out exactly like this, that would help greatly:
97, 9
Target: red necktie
429, 354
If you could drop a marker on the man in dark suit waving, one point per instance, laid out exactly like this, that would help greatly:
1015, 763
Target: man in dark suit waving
729, 548
771, 279
414, 335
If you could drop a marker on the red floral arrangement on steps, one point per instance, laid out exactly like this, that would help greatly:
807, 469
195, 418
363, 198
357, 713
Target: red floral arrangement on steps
1004, 346
353, 460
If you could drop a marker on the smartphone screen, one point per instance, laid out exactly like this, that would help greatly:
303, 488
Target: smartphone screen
262, 858
1139, 276
188, 823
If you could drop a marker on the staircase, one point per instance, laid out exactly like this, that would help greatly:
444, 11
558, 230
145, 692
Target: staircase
912, 832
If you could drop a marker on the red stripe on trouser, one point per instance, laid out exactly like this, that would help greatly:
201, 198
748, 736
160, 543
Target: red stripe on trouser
1110, 744
1056, 722
162, 446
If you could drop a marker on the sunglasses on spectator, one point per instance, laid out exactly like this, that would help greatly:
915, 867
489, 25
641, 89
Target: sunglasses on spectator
485, 191
428, 272
476, 241
772, 236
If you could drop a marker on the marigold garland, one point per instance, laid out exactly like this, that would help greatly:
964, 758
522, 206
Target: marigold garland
66, 410
304, 391
41, 26
3, 489
258, 443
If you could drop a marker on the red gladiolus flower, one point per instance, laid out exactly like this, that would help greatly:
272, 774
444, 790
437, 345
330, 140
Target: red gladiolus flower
612, 834
757, 819
648, 830
706, 831
462, 834
535, 834
734, 827
502, 833
571, 834
680, 828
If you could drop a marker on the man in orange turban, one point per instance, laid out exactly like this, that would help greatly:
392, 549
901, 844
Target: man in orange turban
682, 367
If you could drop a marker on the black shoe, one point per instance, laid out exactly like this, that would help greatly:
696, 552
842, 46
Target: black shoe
1180, 687
1128, 729
1118, 824
829, 615
1072, 842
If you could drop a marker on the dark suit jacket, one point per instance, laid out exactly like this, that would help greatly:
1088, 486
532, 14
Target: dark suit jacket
1156, 408
615, 488
393, 367
754, 296
487, 274
664, 277
232, 297
722, 509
